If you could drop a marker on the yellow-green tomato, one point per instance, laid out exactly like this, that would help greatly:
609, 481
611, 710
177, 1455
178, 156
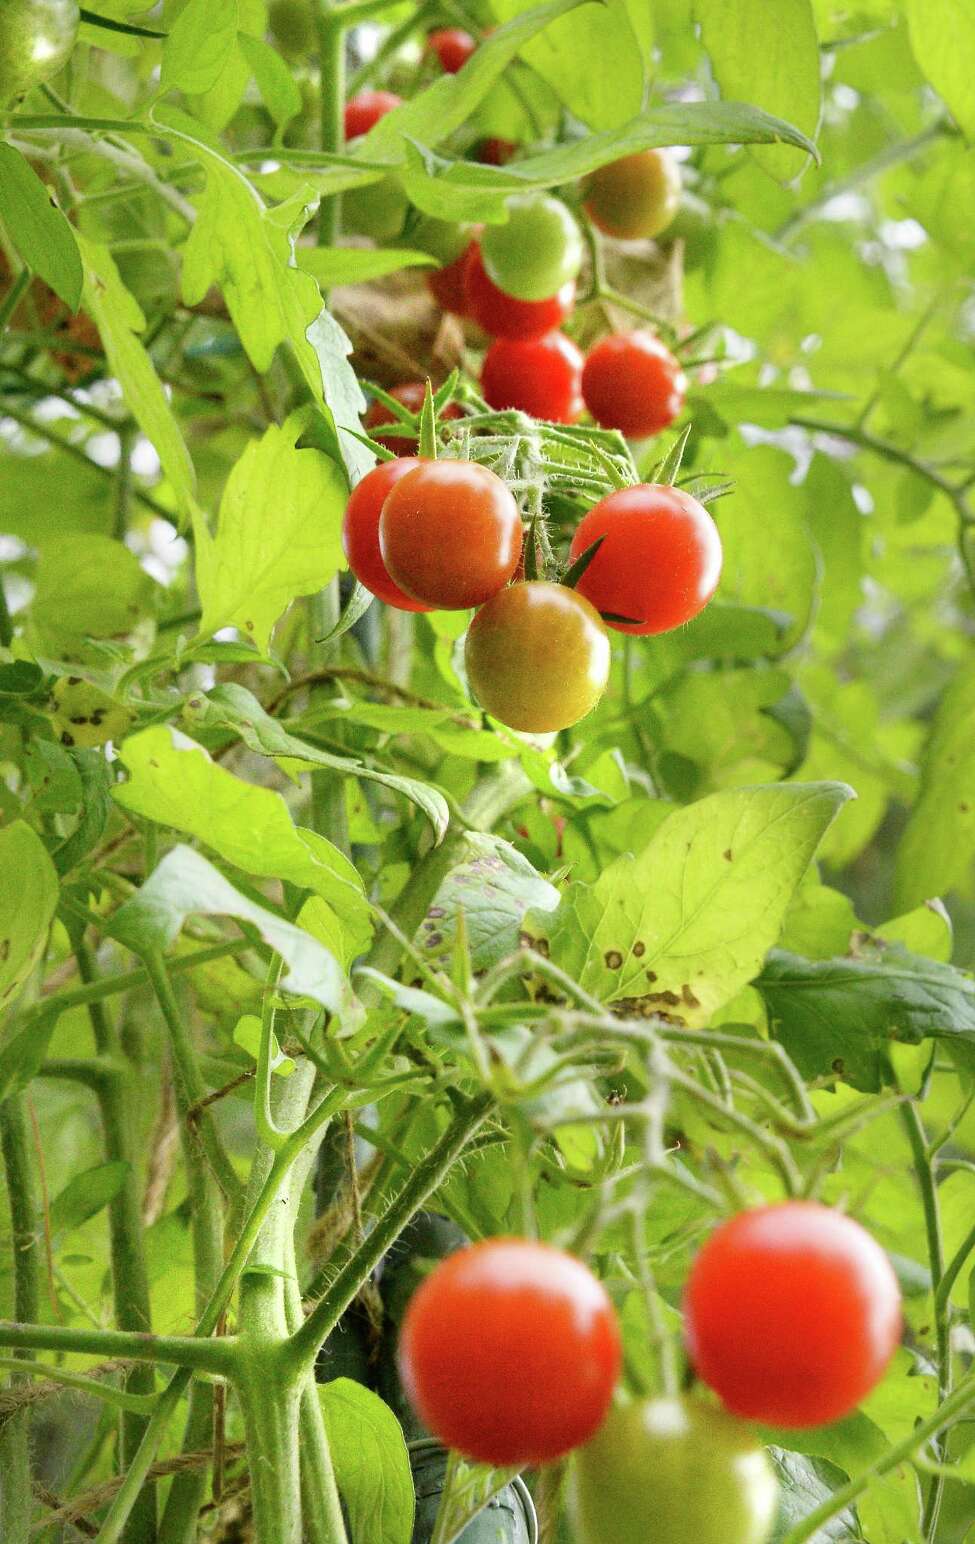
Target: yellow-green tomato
635, 197
443, 239
673, 1471
537, 656
84, 715
36, 37
292, 27
377, 210
536, 251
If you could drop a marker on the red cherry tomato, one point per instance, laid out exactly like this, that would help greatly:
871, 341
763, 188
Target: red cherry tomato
447, 285
411, 394
450, 534
792, 1313
503, 316
540, 376
360, 533
452, 46
537, 657
510, 1351
632, 382
660, 559
636, 196
362, 112
496, 152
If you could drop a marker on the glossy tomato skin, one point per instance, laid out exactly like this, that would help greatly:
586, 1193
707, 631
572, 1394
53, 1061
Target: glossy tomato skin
537, 657
452, 46
502, 315
360, 533
632, 382
36, 37
411, 394
791, 1314
536, 251
364, 111
510, 1351
448, 285
660, 558
673, 1471
450, 534
540, 376
636, 196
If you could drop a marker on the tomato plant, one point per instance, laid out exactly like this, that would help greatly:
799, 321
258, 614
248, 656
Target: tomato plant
636, 196
360, 532
537, 657
504, 316
452, 46
632, 382
536, 252
775, 1270
450, 534
453, 847
540, 376
678, 1471
511, 1351
658, 562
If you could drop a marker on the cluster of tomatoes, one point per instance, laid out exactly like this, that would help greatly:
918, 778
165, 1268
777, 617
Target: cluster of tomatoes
444, 534
669, 1468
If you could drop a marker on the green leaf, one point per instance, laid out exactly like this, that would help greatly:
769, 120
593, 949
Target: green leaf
86, 1194
493, 886
247, 1034
685, 924
233, 707
943, 40
278, 535
186, 885
355, 265
563, 56
839, 1017
372, 1465
87, 587
936, 849
172, 780
804, 1484
118, 318
37, 228
198, 45
275, 81
28, 897
758, 572
774, 66
22, 1056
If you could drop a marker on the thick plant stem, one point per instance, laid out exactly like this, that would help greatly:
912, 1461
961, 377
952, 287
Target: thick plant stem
324, 1523
331, 63
270, 1397
932, 1221
130, 1281
427, 1176
16, 1497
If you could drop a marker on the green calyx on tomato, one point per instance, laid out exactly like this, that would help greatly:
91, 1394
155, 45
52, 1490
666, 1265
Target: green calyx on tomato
635, 197
36, 37
538, 249
538, 657
674, 1471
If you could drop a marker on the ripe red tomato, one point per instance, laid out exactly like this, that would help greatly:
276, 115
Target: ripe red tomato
452, 46
674, 1471
362, 112
540, 376
448, 287
411, 394
632, 382
360, 533
660, 560
636, 196
791, 1314
510, 1351
537, 657
496, 152
504, 317
450, 534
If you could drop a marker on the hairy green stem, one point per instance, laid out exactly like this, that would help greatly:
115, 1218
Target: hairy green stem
16, 1496
917, 1138
189, 1351
331, 23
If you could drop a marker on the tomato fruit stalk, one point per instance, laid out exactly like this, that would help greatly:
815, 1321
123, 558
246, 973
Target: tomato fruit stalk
538, 657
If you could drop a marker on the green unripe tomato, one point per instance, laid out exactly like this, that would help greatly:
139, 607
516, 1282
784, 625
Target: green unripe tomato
377, 210
635, 197
443, 239
291, 27
36, 37
674, 1471
536, 252
86, 716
